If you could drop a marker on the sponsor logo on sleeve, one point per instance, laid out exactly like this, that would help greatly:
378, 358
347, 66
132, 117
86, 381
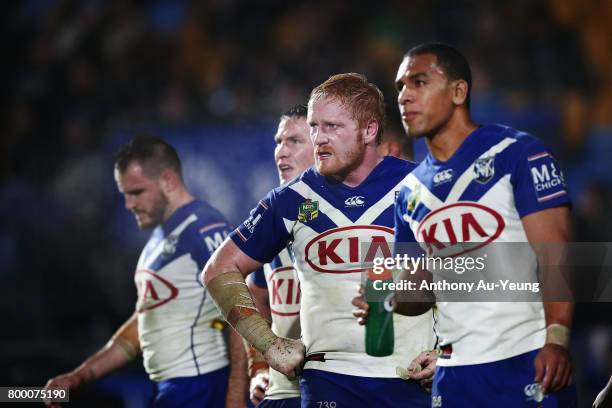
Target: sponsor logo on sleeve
246, 229
308, 210
214, 240
484, 169
547, 177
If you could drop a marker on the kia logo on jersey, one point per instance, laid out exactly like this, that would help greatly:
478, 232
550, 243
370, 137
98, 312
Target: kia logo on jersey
345, 249
354, 201
459, 228
153, 290
285, 292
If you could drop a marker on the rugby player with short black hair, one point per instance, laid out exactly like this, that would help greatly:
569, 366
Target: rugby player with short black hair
175, 326
500, 186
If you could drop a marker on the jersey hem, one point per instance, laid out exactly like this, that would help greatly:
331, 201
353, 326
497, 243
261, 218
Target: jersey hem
210, 367
452, 362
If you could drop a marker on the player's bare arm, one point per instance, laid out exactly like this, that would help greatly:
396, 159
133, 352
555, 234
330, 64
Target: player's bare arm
120, 349
224, 278
553, 365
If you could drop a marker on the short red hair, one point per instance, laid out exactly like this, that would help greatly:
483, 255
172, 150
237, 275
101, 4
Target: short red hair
361, 98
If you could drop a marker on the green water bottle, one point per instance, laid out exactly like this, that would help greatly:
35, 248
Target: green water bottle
379, 334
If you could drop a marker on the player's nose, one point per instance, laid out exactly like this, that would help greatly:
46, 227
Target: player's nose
318, 137
281, 151
405, 96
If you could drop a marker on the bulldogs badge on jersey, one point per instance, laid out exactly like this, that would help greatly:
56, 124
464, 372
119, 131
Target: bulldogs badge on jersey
169, 246
484, 169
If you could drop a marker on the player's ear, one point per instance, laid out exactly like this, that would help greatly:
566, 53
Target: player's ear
371, 131
459, 89
168, 181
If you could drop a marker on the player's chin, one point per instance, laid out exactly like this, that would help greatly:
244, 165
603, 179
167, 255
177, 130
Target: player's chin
325, 168
415, 131
145, 223
287, 176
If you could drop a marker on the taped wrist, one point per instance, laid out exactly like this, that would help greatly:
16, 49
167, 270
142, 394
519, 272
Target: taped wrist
557, 334
127, 338
232, 297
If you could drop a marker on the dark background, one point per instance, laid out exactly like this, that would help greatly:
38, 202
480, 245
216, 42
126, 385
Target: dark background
81, 77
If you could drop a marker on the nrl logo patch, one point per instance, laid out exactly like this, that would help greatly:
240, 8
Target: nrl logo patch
308, 210
483, 169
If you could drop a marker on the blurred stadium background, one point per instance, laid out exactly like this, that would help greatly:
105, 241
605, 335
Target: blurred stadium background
81, 77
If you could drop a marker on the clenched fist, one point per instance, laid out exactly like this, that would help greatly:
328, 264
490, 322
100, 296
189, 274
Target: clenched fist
286, 356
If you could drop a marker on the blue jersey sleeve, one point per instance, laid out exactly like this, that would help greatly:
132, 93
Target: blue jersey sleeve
205, 239
537, 180
263, 234
212, 236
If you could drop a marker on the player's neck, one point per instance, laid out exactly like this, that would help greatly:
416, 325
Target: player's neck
178, 199
356, 176
445, 142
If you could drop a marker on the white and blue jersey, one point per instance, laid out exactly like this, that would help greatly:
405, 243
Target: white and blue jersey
332, 229
495, 178
175, 315
280, 278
